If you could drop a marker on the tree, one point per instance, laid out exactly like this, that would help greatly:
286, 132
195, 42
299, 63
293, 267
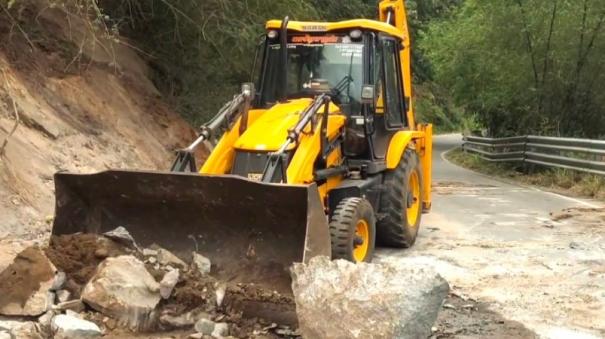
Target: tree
524, 66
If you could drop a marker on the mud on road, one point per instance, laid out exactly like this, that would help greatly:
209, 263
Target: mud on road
527, 272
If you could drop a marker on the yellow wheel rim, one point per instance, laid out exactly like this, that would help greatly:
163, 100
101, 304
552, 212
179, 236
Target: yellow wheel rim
413, 211
362, 233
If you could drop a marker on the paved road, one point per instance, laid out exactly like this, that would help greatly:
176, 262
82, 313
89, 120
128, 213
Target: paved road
498, 243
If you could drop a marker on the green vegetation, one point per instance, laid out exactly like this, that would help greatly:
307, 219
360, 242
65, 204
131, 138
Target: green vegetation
524, 66
564, 181
511, 67
202, 50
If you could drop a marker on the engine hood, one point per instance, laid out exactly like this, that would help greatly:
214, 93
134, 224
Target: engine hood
270, 130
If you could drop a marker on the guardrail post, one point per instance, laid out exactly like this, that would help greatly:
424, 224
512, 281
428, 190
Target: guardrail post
464, 144
527, 167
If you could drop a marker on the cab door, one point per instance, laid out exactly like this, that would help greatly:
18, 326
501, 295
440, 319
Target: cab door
390, 104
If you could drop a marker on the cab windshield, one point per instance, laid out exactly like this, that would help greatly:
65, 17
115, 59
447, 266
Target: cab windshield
336, 66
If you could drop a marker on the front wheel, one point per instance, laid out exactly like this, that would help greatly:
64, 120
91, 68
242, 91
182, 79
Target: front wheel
353, 230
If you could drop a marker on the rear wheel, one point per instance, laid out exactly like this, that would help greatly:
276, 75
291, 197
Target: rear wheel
401, 203
353, 230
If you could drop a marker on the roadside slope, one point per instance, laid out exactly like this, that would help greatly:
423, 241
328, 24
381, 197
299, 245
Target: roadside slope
85, 104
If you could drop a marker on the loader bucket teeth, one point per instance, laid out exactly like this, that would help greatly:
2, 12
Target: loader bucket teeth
252, 232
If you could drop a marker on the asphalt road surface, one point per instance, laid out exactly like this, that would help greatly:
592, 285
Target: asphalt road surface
530, 257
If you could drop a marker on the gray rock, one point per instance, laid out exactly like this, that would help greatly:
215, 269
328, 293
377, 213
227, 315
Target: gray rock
166, 257
7, 324
63, 295
340, 299
73, 314
148, 252
185, 320
75, 305
45, 322
25, 284
205, 326
220, 290
123, 289
70, 327
168, 282
220, 330
59, 281
28, 330
20, 329
122, 236
51, 298
201, 263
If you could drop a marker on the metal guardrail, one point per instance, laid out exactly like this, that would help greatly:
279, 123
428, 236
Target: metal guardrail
583, 155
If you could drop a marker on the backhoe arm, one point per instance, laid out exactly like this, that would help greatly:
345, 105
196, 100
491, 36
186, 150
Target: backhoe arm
394, 13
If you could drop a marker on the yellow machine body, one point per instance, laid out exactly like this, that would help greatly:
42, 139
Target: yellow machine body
251, 225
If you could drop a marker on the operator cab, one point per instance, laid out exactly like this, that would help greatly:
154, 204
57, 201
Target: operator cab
316, 64
345, 63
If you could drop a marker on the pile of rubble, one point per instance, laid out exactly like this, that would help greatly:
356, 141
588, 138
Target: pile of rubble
86, 285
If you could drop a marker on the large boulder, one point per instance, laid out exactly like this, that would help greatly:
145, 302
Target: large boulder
26, 283
124, 290
340, 299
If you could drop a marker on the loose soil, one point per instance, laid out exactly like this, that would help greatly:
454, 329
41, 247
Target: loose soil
464, 317
249, 309
455, 187
78, 255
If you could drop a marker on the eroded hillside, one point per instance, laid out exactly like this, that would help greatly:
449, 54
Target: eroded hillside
82, 101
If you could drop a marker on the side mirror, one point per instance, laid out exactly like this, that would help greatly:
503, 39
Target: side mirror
368, 94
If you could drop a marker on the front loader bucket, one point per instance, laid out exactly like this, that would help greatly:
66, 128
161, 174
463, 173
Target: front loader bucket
252, 232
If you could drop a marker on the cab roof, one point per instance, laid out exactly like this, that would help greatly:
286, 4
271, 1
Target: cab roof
317, 27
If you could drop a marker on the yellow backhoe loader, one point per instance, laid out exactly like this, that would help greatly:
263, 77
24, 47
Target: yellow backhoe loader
321, 155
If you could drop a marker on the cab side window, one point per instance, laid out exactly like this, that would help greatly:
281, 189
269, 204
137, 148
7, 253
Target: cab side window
393, 91
378, 76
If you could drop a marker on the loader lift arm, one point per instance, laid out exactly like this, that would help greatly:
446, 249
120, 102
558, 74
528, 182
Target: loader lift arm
277, 160
224, 119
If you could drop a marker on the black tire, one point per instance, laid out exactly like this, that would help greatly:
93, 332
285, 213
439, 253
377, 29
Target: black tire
343, 227
393, 226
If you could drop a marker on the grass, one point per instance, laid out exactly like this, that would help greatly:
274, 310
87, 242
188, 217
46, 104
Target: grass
560, 180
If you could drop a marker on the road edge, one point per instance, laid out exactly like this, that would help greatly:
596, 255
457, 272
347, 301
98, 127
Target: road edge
590, 203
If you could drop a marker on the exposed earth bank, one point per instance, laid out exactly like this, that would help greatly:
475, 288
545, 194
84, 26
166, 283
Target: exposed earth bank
81, 101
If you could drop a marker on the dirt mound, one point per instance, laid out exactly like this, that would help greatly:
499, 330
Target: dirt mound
589, 214
247, 308
78, 255
465, 318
